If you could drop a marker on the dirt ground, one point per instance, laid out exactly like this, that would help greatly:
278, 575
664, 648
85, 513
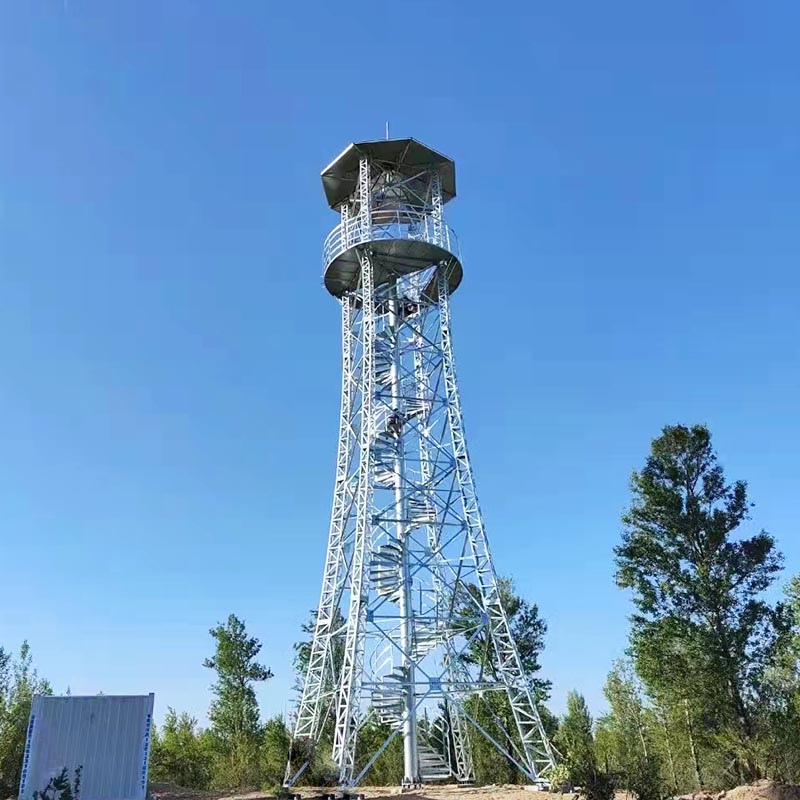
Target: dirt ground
509, 792
763, 790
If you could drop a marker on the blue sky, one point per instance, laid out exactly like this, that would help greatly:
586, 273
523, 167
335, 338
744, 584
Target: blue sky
628, 209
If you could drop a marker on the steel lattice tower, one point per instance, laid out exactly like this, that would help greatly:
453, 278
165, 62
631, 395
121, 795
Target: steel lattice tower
409, 585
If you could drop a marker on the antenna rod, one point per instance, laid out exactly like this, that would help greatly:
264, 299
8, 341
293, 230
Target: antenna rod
387, 128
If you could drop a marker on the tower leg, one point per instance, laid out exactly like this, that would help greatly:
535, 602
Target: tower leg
349, 690
462, 748
321, 676
536, 747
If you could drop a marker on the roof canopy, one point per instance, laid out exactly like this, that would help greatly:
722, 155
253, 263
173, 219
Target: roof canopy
406, 156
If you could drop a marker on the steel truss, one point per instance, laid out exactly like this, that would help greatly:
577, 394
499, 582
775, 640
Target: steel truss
409, 585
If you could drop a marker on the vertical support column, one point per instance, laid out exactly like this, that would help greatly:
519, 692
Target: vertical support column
537, 750
410, 757
347, 234
349, 692
364, 201
437, 211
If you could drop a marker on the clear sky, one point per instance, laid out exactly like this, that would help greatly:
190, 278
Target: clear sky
628, 178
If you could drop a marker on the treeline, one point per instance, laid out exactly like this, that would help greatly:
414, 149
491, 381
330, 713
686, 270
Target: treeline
707, 696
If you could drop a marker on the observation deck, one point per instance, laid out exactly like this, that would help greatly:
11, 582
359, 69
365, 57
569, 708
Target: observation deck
390, 195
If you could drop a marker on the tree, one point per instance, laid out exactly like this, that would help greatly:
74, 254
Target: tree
274, 751
624, 737
180, 753
492, 710
576, 742
781, 706
388, 767
527, 628
19, 682
702, 632
235, 725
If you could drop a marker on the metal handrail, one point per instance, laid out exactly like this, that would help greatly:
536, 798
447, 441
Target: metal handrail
412, 224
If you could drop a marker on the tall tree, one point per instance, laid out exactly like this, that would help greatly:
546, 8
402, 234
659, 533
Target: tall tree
702, 630
235, 724
791, 657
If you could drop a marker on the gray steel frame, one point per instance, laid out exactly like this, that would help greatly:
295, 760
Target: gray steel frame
407, 547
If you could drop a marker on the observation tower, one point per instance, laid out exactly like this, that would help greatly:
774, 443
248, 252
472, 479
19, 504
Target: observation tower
411, 636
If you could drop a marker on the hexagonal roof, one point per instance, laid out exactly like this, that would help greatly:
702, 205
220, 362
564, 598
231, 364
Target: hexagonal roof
406, 156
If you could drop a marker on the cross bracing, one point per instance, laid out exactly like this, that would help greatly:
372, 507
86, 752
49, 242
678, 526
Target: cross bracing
409, 586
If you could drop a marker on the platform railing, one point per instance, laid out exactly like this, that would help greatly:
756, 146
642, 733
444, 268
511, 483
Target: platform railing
412, 224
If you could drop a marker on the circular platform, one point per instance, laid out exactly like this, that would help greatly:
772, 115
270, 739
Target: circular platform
399, 244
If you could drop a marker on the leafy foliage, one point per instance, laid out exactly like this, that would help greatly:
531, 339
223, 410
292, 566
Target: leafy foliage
624, 737
19, 682
388, 767
575, 739
235, 726
180, 753
702, 631
527, 628
781, 699
274, 752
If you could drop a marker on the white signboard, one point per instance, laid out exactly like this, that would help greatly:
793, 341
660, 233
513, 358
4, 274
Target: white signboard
105, 737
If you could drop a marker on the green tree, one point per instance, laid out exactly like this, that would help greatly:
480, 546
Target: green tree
781, 708
180, 753
702, 631
528, 629
492, 709
493, 713
274, 752
235, 725
624, 738
388, 767
575, 740
19, 682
